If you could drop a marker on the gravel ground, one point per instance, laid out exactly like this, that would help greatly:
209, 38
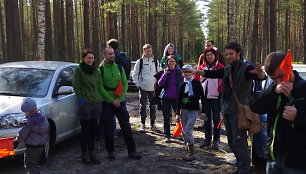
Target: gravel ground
158, 157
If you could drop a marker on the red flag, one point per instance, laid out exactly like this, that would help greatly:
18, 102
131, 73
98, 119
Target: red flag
286, 66
6, 147
177, 130
119, 89
219, 124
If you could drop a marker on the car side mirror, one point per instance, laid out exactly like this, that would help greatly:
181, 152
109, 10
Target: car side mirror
65, 90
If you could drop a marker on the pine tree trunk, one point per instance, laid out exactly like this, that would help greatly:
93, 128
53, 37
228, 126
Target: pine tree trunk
255, 33
231, 21
13, 31
41, 28
3, 44
123, 26
70, 30
86, 23
96, 38
22, 33
265, 34
304, 32
273, 25
48, 34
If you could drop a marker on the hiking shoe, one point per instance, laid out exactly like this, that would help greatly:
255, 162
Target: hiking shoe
94, 158
205, 144
86, 158
167, 140
233, 163
97, 145
215, 146
135, 155
111, 156
154, 128
142, 128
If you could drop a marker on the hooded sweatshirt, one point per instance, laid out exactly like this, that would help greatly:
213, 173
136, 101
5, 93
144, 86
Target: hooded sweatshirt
35, 131
145, 80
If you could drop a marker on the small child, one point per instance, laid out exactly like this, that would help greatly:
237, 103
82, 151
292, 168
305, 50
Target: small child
190, 93
34, 134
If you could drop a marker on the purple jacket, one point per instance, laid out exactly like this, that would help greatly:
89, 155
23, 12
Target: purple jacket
35, 131
171, 82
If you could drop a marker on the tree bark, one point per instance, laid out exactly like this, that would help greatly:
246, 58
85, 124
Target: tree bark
265, 41
232, 36
48, 34
86, 23
13, 31
3, 44
255, 33
70, 30
304, 4
41, 28
273, 25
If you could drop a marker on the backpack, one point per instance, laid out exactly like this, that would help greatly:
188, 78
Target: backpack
141, 66
123, 60
102, 70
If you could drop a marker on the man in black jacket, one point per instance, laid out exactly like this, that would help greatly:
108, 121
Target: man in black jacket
285, 105
242, 73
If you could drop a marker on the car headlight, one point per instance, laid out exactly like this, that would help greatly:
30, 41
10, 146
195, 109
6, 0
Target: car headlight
12, 120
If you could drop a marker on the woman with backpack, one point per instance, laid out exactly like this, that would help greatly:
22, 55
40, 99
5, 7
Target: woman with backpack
170, 81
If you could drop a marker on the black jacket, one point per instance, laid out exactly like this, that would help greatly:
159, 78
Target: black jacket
290, 137
192, 102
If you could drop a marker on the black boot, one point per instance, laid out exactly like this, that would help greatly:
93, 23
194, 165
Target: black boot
86, 159
94, 158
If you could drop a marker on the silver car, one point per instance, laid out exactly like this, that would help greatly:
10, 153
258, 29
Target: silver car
49, 83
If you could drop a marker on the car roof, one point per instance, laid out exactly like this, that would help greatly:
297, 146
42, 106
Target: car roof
299, 67
50, 65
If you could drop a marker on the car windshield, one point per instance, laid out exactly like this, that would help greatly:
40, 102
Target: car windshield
25, 81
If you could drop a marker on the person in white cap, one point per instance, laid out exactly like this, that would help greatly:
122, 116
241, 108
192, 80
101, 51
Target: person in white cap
190, 93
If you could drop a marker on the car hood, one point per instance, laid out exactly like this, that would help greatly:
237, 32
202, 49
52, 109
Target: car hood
12, 104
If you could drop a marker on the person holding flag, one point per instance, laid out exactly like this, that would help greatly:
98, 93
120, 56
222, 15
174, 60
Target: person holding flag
285, 104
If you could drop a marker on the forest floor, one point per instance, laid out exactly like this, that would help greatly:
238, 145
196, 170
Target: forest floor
159, 157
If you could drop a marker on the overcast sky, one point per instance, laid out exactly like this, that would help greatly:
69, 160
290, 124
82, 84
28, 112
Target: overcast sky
201, 6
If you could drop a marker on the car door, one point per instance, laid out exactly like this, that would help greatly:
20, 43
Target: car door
67, 122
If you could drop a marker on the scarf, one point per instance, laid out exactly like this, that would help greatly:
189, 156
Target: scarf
188, 87
88, 69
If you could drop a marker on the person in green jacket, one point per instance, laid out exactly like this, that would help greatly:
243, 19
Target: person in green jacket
170, 50
87, 84
114, 89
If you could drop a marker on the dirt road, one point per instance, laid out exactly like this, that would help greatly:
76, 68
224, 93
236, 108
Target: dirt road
158, 157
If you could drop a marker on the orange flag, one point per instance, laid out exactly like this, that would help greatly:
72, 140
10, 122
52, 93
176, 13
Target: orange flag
6, 147
286, 66
219, 124
119, 89
177, 131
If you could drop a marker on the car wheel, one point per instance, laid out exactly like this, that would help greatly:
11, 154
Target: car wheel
45, 152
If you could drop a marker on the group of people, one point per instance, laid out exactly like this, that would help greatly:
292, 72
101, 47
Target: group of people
101, 92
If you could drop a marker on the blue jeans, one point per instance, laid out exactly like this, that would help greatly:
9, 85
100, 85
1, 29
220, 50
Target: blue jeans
212, 113
237, 141
167, 104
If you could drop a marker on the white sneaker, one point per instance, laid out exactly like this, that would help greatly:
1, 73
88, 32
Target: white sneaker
143, 128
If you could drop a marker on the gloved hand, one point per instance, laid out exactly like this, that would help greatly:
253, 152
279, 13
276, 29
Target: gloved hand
81, 101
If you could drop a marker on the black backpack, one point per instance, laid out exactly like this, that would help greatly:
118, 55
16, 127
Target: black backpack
123, 60
141, 66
